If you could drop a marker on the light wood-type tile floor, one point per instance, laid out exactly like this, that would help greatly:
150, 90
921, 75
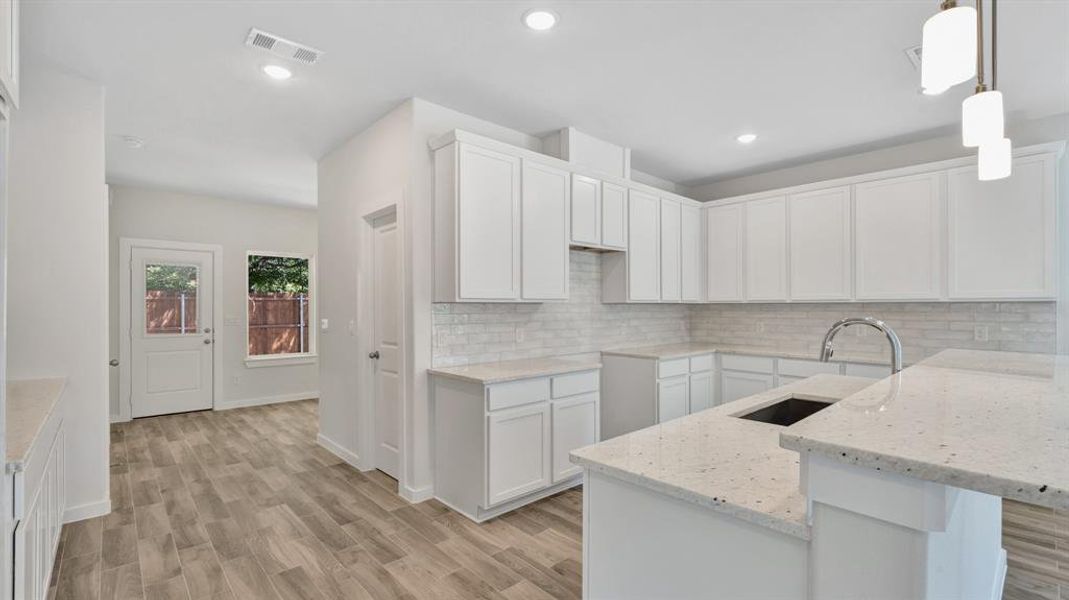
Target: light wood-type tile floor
244, 504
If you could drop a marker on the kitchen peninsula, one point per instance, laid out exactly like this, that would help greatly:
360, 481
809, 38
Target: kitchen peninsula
893, 491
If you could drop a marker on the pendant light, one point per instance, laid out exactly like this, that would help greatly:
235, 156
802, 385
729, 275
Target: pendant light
982, 115
948, 48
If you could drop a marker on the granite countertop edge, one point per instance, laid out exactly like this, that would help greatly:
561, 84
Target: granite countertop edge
564, 366
17, 456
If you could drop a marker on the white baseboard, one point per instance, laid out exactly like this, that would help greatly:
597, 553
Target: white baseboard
350, 458
119, 419
264, 400
87, 511
415, 495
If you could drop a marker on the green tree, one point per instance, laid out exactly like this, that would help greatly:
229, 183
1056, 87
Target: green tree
171, 278
269, 274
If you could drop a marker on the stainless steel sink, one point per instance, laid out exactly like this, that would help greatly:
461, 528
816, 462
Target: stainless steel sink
786, 412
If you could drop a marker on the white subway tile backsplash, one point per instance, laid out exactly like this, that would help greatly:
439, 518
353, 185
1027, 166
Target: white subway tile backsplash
471, 333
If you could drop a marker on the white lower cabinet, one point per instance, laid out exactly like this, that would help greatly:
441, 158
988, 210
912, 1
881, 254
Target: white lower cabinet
739, 384
39, 504
700, 391
575, 425
672, 398
641, 391
499, 446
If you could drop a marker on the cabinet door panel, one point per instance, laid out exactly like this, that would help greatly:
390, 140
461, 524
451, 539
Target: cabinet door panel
691, 247
671, 247
820, 246
518, 447
766, 249
545, 232
586, 210
735, 385
575, 425
898, 226
723, 259
671, 398
488, 224
613, 216
701, 392
643, 247
1002, 233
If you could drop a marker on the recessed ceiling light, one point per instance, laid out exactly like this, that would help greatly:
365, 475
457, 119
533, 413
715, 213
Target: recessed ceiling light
746, 138
132, 141
277, 72
540, 20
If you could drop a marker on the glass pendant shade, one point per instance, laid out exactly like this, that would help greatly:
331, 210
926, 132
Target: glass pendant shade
982, 119
995, 160
948, 54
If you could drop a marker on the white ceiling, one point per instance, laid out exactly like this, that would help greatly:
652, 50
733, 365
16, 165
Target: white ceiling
675, 81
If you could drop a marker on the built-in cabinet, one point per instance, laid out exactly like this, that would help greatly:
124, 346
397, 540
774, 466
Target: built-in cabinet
599, 214
501, 445
640, 391
39, 502
9, 54
505, 218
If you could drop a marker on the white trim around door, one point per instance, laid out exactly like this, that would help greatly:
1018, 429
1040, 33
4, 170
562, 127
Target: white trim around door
126, 249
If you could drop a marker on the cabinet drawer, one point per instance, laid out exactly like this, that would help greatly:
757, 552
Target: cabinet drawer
673, 367
517, 393
701, 363
753, 364
571, 384
806, 368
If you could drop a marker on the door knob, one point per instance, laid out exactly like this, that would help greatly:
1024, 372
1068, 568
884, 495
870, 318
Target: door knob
113, 362
207, 341
374, 355
207, 330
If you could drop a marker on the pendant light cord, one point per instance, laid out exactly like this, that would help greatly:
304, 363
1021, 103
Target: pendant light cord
994, 44
980, 46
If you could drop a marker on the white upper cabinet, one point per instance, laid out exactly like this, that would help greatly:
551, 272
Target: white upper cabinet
488, 228
643, 247
586, 211
613, 216
723, 260
671, 245
691, 253
898, 228
819, 245
544, 220
1002, 234
9, 52
766, 249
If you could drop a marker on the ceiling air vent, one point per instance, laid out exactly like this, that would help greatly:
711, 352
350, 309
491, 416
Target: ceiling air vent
914, 56
282, 47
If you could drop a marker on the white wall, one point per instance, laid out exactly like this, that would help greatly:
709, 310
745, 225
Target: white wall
1023, 133
57, 259
363, 174
238, 227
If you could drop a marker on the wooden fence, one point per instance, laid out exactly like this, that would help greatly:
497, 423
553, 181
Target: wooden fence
278, 323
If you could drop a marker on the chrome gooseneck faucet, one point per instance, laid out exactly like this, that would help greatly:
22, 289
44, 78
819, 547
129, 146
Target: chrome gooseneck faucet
896, 346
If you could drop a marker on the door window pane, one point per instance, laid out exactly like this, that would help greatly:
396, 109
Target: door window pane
171, 299
279, 305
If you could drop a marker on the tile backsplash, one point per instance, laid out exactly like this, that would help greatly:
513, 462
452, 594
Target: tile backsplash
472, 333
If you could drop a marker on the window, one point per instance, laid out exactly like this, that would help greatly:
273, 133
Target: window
170, 299
281, 310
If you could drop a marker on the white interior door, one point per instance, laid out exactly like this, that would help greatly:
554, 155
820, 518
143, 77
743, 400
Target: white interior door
387, 347
171, 328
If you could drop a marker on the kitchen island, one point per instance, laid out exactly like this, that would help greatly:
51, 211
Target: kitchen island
893, 491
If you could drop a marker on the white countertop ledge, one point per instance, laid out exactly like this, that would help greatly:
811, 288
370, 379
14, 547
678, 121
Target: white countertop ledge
713, 459
29, 404
993, 422
512, 370
685, 349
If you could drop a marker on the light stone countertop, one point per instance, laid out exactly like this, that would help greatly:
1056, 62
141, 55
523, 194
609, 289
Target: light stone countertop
512, 370
29, 404
993, 422
716, 460
682, 349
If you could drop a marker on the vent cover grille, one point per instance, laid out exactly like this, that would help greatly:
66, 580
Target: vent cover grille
282, 47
